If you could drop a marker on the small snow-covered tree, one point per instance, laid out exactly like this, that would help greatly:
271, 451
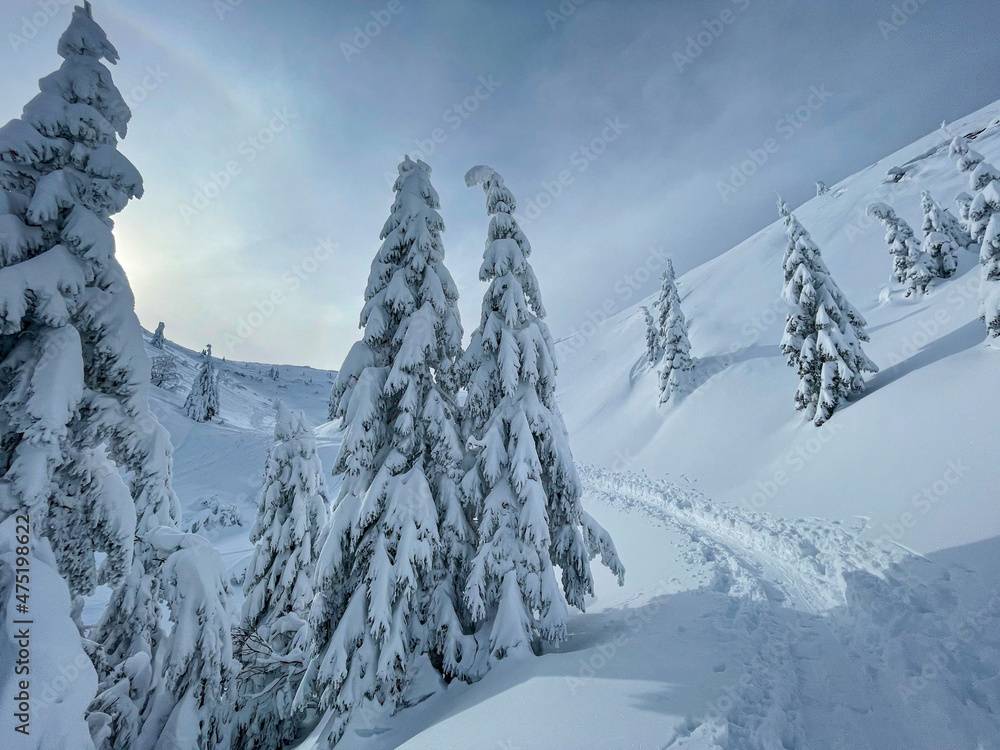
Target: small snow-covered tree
677, 375
941, 237
190, 699
911, 265
653, 349
963, 202
397, 544
274, 639
202, 402
157, 339
522, 484
821, 188
823, 333
982, 179
940, 219
163, 371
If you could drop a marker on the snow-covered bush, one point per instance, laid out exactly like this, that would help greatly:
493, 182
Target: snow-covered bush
821, 188
215, 514
157, 339
823, 333
274, 639
203, 400
398, 540
163, 372
522, 485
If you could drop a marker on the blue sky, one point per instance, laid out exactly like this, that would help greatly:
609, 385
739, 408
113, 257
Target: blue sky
265, 132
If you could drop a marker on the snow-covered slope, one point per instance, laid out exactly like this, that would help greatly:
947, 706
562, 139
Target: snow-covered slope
917, 453
219, 465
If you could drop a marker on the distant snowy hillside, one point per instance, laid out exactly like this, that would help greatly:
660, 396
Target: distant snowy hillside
219, 465
917, 453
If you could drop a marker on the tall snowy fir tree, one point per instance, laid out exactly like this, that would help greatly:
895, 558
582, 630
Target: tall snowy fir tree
202, 402
389, 573
275, 639
522, 485
910, 264
823, 333
157, 339
677, 375
653, 349
74, 411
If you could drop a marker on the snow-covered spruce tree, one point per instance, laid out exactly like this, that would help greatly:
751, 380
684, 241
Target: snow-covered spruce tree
274, 638
677, 375
202, 402
389, 573
940, 219
190, 699
653, 349
963, 202
942, 236
821, 188
989, 256
522, 484
910, 264
74, 379
157, 339
823, 333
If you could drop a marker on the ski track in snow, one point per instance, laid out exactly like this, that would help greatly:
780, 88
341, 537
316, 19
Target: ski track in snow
847, 648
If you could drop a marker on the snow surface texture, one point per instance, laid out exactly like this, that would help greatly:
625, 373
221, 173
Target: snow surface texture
735, 629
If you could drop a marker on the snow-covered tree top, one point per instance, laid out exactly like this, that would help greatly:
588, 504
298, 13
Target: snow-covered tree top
288, 425
85, 37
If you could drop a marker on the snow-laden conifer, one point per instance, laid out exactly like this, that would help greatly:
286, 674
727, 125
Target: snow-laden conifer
274, 638
986, 212
202, 402
823, 332
940, 219
390, 570
910, 264
190, 702
653, 349
963, 202
522, 484
157, 339
821, 188
677, 375
942, 237
74, 379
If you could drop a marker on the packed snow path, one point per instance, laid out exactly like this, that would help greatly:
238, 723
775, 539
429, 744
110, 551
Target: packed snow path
851, 646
